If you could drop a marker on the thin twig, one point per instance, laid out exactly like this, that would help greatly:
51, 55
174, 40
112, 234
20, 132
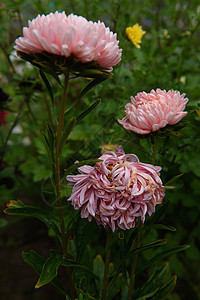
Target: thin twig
10, 131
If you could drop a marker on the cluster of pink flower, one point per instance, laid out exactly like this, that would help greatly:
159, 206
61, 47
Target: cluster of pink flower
117, 191
84, 40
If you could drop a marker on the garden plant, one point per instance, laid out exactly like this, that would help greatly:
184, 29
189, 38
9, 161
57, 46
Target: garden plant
100, 115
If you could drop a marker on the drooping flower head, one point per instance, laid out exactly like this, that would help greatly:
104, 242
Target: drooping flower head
117, 191
135, 34
150, 112
71, 37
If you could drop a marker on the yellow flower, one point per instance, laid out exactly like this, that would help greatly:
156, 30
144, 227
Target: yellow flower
135, 34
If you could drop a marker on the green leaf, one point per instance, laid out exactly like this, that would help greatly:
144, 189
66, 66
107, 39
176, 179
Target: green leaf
95, 73
114, 289
159, 213
87, 111
133, 237
98, 267
49, 269
150, 294
18, 208
82, 237
161, 226
155, 217
48, 147
72, 263
75, 166
166, 289
48, 86
91, 84
144, 248
154, 281
34, 259
37, 262
169, 187
169, 182
51, 138
138, 250
66, 131
162, 255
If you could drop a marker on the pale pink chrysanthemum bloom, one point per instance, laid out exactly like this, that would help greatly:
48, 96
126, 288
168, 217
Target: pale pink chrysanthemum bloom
71, 36
149, 112
117, 191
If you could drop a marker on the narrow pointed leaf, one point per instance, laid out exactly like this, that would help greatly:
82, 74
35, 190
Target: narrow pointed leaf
132, 237
159, 213
66, 131
161, 226
82, 237
156, 217
71, 263
91, 84
95, 73
155, 280
174, 179
161, 256
146, 247
37, 262
51, 136
150, 294
48, 147
166, 289
87, 111
49, 269
169, 187
18, 208
48, 86
141, 249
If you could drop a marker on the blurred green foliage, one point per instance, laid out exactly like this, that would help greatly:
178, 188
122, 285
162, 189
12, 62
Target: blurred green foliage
169, 58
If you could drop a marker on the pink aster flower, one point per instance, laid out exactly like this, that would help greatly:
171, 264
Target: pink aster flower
152, 111
71, 36
117, 191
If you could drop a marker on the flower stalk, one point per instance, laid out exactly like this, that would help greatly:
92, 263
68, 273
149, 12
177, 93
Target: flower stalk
71, 288
155, 149
132, 279
107, 262
57, 162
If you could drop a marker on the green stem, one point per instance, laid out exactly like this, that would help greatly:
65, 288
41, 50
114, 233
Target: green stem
107, 262
70, 284
57, 166
132, 279
48, 111
8, 58
10, 131
30, 111
155, 149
